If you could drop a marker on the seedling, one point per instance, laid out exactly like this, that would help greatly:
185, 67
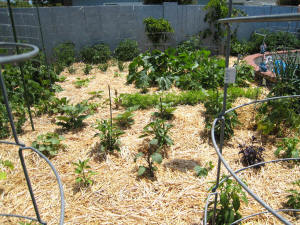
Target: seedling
81, 82
165, 110
117, 99
109, 136
154, 149
203, 171
87, 69
231, 194
103, 67
48, 143
95, 94
8, 164
125, 120
72, 116
121, 66
83, 173
71, 69
290, 147
294, 197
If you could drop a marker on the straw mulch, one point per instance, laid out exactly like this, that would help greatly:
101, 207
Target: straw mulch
176, 196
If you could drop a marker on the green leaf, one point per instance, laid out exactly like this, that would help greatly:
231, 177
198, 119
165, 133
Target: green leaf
140, 154
154, 141
236, 202
141, 170
8, 164
200, 171
2, 175
156, 157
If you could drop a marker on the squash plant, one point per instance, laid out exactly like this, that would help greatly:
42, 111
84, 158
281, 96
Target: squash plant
48, 143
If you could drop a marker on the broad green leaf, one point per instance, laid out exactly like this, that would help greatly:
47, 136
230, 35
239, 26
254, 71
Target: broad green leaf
2, 175
141, 170
156, 157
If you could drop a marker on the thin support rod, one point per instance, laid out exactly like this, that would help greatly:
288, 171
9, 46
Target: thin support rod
110, 114
223, 111
9, 113
21, 65
42, 39
37, 213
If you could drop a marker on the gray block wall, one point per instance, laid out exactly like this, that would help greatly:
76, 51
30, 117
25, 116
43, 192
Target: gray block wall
87, 25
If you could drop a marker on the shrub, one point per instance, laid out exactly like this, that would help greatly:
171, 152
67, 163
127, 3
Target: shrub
157, 29
48, 143
99, 53
64, 55
126, 50
244, 72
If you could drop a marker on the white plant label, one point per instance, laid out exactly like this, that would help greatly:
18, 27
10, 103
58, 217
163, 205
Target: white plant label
230, 74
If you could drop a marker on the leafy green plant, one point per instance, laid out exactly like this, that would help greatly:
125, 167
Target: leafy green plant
165, 110
4, 126
228, 205
214, 105
124, 120
48, 143
157, 29
81, 82
52, 106
203, 171
99, 53
192, 44
72, 116
84, 173
244, 72
293, 199
217, 9
109, 136
103, 67
121, 66
71, 70
275, 117
87, 69
290, 147
126, 50
188, 70
159, 129
155, 149
8, 164
64, 55
95, 94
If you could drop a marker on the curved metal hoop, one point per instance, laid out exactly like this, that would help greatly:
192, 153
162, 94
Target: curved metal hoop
234, 173
19, 57
12, 59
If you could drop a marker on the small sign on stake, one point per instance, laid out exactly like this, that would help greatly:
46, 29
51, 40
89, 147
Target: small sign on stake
230, 74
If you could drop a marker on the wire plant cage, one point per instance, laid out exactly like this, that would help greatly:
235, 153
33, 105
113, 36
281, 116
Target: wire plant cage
218, 145
25, 52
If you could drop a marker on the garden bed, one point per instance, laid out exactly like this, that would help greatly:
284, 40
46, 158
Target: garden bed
118, 196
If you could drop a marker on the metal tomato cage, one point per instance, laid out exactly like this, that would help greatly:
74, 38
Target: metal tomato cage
14, 59
218, 147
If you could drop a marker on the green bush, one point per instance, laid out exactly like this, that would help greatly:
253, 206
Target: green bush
290, 147
64, 55
157, 29
99, 53
126, 50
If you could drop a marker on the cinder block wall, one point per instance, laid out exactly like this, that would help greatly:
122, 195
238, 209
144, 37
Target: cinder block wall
87, 25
